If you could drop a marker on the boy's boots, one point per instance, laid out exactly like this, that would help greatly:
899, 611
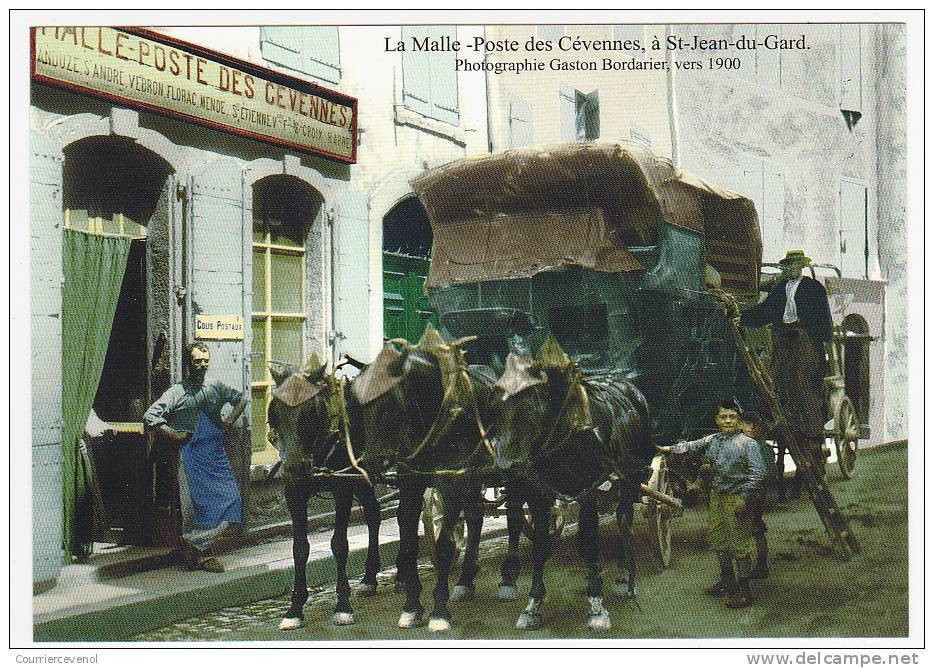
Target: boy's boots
761, 570
741, 596
727, 582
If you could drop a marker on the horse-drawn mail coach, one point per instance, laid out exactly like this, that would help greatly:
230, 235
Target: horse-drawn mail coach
616, 253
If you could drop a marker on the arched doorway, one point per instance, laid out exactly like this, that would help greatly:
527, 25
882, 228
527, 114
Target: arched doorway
116, 195
284, 210
407, 239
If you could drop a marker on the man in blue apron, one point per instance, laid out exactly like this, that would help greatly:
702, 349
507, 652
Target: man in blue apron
189, 413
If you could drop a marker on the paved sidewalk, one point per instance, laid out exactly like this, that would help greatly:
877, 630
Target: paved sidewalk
87, 604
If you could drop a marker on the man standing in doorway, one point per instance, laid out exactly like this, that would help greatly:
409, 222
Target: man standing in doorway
798, 311
189, 413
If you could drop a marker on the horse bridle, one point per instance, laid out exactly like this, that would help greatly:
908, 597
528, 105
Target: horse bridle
335, 385
451, 408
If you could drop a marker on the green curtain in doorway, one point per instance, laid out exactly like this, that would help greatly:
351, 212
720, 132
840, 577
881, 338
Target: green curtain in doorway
93, 267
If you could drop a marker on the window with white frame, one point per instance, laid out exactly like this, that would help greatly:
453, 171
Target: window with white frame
312, 50
429, 78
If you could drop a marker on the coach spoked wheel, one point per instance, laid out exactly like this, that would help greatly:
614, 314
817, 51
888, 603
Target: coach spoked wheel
558, 519
658, 515
846, 436
432, 518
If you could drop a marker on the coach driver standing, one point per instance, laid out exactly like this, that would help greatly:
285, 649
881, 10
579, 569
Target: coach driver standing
798, 311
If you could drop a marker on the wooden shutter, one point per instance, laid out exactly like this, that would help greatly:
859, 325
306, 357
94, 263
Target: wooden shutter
850, 68
768, 61
853, 229
416, 72
45, 213
747, 57
321, 52
443, 78
520, 123
351, 276
282, 45
772, 216
590, 114
216, 228
567, 99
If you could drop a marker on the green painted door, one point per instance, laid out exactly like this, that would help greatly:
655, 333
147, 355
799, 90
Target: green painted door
406, 309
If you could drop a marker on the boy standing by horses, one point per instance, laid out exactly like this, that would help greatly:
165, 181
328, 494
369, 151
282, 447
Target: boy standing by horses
736, 472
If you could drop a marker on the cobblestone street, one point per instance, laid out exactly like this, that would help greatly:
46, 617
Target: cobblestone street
809, 594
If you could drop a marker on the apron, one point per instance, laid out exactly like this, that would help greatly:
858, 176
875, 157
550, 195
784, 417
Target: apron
212, 486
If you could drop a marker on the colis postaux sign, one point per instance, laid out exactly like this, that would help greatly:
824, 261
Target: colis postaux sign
142, 69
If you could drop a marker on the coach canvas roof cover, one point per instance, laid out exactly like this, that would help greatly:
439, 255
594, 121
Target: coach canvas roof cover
516, 213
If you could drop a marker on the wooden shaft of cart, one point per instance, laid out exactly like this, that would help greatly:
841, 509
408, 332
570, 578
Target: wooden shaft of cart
842, 539
662, 498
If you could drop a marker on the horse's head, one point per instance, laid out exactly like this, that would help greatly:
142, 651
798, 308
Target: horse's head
379, 413
302, 413
537, 402
407, 399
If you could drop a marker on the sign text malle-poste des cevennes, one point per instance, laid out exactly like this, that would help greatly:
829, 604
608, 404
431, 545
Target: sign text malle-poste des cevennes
169, 78
219, 327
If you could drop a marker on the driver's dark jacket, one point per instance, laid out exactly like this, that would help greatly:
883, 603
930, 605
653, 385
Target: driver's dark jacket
810, 303
735, 460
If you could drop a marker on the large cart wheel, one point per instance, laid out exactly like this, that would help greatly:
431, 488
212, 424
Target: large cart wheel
658, 515
558, 519
432, 519
846, 436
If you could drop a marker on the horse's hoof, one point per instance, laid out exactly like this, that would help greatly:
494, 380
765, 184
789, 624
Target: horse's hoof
343, 619
600, 622
439, 625
411, 620
507, 593
599, 619
291, 623
461, 593
528, 621
621, 587
365, 589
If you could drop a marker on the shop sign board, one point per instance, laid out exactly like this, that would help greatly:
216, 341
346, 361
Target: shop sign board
218, 328
142, 69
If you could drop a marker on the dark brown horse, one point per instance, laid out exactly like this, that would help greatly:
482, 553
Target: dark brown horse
429, 427
555, 433
311, 414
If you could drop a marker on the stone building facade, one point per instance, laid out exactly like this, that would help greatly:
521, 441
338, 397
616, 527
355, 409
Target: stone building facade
816, 137
289, 242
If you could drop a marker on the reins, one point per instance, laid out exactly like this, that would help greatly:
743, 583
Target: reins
550, 447
342, 432
451, 408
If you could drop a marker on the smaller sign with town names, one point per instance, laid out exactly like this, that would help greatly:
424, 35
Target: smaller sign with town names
218, 327
187, 82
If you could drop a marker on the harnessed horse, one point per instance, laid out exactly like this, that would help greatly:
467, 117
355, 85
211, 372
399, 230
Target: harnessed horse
430, 427
556, 432
309, 411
